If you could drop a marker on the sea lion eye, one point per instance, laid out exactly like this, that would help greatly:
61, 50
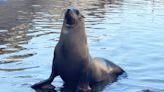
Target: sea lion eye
77, 12
82, 16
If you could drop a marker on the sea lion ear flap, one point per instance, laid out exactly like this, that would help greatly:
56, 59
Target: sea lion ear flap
82, 16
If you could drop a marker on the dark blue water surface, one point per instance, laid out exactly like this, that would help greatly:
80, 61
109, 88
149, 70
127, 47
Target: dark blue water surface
128, 32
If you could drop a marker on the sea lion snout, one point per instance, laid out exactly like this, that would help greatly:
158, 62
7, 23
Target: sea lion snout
68, 12
70, 17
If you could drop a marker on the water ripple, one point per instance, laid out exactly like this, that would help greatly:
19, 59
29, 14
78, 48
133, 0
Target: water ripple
16, 69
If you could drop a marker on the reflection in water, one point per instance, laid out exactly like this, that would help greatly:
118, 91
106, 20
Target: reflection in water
15, 20
50, 88
14, 58
17, 69
20, 21
129, 32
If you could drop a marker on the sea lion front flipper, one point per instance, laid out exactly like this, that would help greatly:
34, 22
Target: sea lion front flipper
40, 84
85, 79
54, 73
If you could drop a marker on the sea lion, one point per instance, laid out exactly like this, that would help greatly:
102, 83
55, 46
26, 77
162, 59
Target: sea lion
72, 61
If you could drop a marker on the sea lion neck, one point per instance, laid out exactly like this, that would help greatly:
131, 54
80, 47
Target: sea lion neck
74, 33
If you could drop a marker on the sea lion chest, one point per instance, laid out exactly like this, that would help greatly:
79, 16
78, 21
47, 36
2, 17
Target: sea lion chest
71, 56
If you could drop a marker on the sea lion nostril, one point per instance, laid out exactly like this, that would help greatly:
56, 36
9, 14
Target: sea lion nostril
68, 10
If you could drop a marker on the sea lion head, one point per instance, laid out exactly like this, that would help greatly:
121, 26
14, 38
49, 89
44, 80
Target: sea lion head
73, 17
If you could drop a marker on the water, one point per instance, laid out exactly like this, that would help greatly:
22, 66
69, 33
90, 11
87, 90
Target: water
127, 32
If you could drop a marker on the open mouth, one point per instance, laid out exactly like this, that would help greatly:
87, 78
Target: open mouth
69, 18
